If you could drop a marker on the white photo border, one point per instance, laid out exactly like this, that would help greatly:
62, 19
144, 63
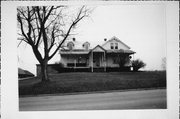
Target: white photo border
9, 93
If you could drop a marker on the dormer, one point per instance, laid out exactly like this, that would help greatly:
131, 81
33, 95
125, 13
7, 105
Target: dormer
86, 45
70, 45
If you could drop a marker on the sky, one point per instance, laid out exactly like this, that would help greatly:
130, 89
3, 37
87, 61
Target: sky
142, 27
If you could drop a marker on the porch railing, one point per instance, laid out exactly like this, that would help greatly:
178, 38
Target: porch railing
76, 64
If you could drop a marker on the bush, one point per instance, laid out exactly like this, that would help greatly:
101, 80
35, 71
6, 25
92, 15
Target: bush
58, 65
137, 64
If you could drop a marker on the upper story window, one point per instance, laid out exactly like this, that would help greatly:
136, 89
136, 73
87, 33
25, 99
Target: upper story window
112, 45
116, 45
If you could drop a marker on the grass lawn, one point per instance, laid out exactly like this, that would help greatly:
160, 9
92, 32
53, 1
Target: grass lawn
87, 81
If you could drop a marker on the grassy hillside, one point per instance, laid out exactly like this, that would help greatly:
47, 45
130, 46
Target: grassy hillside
88, 82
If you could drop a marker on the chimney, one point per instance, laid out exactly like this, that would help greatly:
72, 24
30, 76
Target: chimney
74, 39
105, 39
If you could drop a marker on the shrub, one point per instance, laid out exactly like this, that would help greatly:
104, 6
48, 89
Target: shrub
137, 64
58, 65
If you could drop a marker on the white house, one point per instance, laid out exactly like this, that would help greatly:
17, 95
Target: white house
112, 54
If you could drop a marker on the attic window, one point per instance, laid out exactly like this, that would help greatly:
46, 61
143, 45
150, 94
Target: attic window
116, 45
112, 46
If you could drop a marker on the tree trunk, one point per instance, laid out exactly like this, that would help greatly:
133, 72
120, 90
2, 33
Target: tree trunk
44, 72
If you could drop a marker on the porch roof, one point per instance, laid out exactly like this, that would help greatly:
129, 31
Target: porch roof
83, 51
74, 51
121, 51
98, 48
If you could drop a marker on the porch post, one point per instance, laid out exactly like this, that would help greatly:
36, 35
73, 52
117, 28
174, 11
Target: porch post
132, 63
105, 61
92, 63
133, 57
100, 61
75, 63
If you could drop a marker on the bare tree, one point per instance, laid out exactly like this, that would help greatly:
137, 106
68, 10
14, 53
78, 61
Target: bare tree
47, 28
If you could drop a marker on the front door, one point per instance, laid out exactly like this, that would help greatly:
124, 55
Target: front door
96, 59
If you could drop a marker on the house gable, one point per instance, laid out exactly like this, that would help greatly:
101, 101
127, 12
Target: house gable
115, 41
98, 48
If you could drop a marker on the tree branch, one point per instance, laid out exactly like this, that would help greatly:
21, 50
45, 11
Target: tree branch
21, 26
46, 17
22, 39
69, 30
78, 18
38, 30
32, 22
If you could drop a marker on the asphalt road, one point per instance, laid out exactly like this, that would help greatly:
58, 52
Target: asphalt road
146, 99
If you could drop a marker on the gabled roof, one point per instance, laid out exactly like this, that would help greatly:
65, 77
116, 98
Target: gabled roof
24, 72
98, 46
116, 39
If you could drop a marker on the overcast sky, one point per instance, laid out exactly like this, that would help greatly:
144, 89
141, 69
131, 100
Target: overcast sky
142, 27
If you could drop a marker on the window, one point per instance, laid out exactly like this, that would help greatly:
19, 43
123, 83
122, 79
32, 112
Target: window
112, 46
116, 45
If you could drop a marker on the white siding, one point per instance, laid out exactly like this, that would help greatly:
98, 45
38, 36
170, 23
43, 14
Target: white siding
107, 46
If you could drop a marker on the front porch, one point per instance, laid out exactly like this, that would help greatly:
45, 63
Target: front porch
55, 68
97, 61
